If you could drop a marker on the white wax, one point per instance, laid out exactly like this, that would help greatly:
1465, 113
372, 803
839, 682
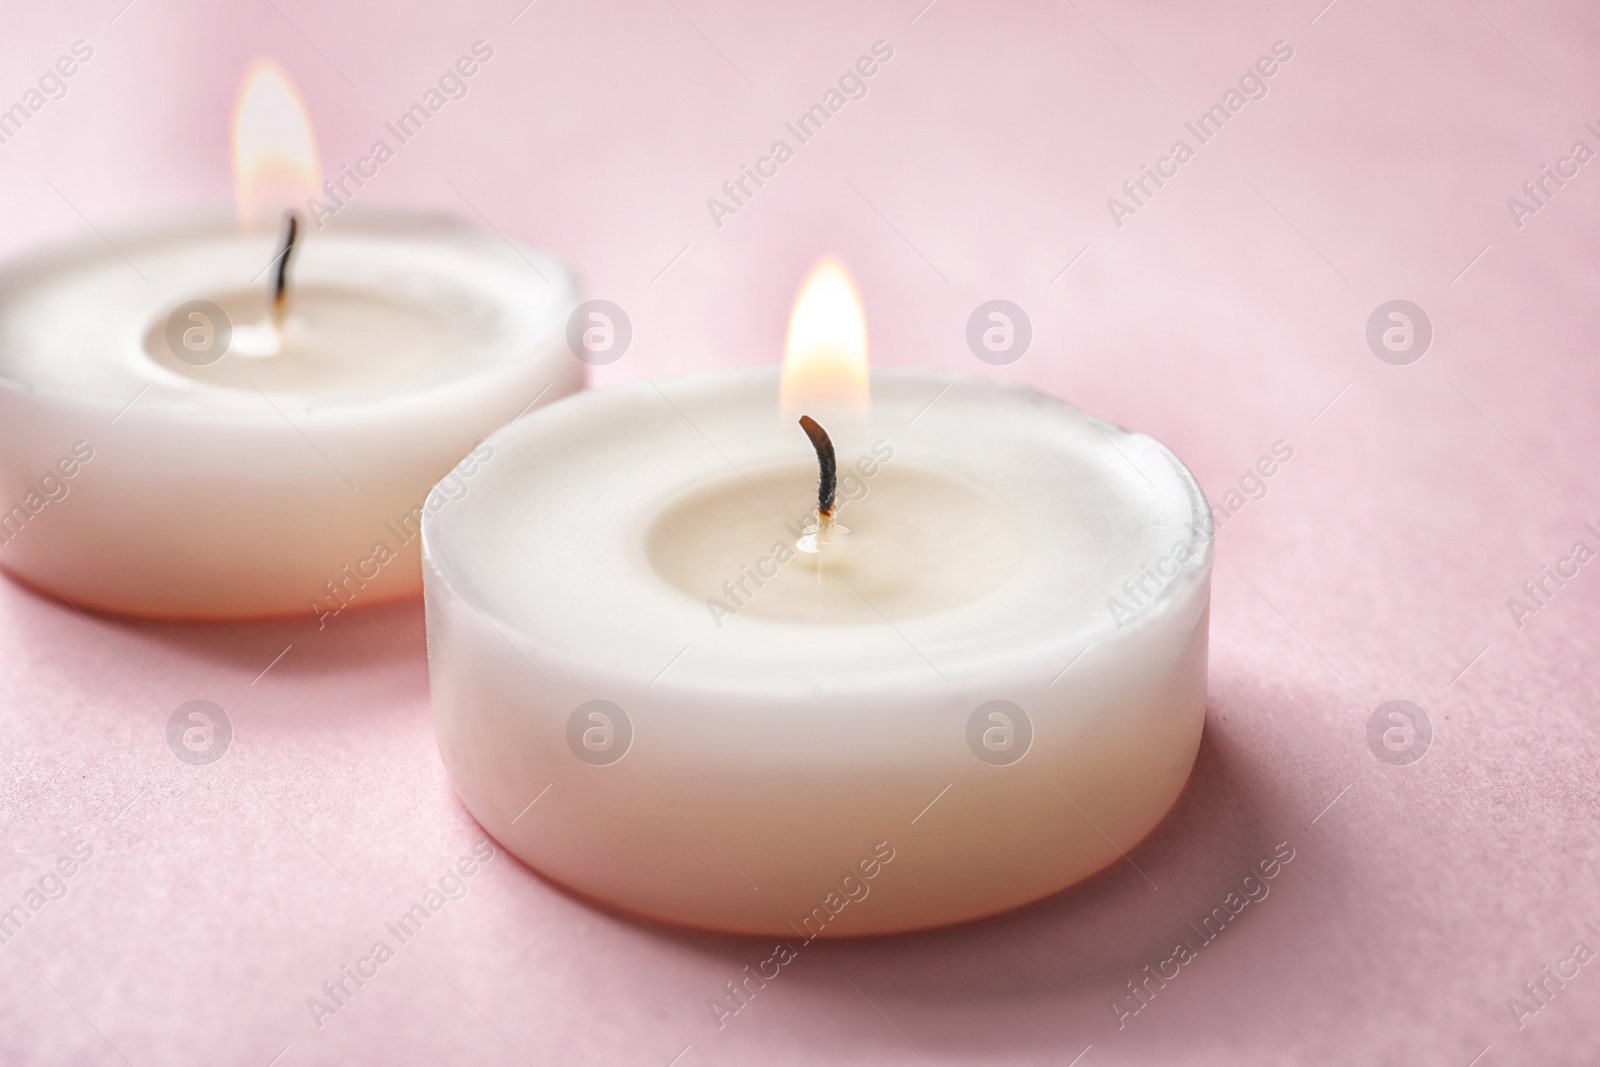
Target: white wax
288, 475
725, 544
776, 739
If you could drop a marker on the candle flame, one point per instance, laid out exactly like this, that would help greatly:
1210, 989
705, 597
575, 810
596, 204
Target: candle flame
275, 164
825, 359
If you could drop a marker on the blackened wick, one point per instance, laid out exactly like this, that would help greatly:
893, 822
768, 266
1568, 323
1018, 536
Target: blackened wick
828, 480
280, 283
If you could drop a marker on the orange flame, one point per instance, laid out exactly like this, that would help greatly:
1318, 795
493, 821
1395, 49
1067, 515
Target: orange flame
825, 359
275, 164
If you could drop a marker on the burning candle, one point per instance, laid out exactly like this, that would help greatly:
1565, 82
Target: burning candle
203, 420
909, 663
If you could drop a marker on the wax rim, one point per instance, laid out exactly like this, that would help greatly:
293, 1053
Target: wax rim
1173, 595
53, 254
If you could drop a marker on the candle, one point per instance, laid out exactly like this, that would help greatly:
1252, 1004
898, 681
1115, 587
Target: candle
668, 678
252, 425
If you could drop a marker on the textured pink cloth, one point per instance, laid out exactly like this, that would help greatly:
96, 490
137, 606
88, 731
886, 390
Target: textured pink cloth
1226, 313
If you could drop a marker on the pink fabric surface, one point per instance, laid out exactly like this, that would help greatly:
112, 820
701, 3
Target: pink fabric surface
1226, 314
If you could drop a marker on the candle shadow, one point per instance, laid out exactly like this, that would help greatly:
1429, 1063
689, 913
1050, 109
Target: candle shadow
387, 638
385, 634
1075, 950
1095, 935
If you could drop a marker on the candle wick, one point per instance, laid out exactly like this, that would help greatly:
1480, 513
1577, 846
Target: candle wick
280, 281
828, 466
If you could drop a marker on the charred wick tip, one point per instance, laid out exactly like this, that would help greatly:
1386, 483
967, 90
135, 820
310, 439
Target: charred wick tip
280, 281
828, 480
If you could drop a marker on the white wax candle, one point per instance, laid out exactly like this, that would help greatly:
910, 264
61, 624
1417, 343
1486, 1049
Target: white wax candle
733, 733
274, 470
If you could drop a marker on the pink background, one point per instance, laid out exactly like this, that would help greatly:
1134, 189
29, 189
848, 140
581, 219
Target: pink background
1226, 315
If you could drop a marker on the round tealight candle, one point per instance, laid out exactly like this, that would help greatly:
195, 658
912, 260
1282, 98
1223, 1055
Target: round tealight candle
170, 447
657, 684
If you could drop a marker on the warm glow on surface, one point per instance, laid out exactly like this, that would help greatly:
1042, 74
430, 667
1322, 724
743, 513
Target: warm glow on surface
825, 359
274, 152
